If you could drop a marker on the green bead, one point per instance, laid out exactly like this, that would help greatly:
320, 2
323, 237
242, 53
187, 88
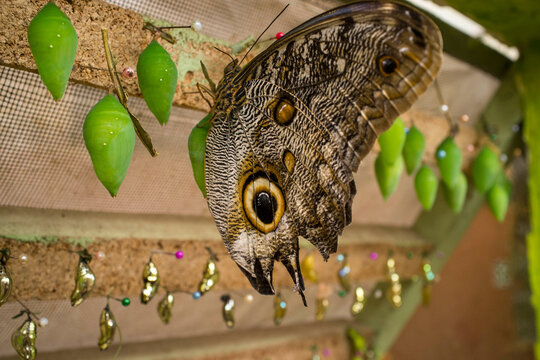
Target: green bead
388, 175
157, 75
110, 138
413, 150
449, 159
486, 166
53, 42
392, 141
426, 185
197, 149
342, 293
126, 301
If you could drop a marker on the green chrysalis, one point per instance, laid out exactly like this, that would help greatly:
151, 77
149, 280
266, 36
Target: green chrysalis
449, 159
110, 138
426, 184
455, 195
53, 42
197, 148
498, 199
485, 169
157, 77
388, 175
413, 150
391, 142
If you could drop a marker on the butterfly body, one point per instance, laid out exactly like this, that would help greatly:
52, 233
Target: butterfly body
291, 127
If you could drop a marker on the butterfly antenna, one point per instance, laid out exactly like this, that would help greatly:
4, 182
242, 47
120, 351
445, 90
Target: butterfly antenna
278, 15
226, 53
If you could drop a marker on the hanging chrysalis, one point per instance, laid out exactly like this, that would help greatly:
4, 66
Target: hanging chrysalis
165, 306
359, 301
394, 291
53, 42
151, 281
307, 266
428, 276
24, 338
413, 150
485, 168
449, 160
358, 344
228, 310
6, 282
343, 273
107, 328
109, 136
426, 185
323, 291
210, 274
322, 308
157, 75
280, 309
84, 279
197, 149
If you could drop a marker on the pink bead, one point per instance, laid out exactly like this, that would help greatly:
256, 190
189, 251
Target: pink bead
179, 254
279, 35
128, 73
373, 256
326, 352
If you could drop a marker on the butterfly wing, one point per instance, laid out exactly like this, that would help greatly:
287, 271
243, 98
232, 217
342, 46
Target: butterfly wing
292, 127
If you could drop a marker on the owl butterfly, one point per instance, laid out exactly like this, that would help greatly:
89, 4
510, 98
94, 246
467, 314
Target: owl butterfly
291, 127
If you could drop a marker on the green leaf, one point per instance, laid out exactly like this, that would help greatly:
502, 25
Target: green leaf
157, 76
449, 159
426, 185
413, 150
388, 175
110, 138
197, 149
485, 168
53, 42
391, 142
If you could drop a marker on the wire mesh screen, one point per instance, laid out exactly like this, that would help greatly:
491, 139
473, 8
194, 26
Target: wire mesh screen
43, 159
44, 162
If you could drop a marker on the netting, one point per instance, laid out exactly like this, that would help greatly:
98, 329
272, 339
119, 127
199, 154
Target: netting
44, 162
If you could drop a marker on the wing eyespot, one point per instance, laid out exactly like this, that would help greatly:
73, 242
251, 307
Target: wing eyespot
388, 65
263, 203
282, 108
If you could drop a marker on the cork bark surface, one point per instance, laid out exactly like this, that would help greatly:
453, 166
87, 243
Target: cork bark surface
127, 41
49, 269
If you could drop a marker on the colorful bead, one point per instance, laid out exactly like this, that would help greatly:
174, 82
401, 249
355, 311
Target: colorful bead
196, 295
279, 35
128, 73
197, 25
126, 301
326, 352
179, 254
373, 255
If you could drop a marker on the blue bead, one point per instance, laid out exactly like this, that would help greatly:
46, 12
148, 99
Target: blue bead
340, 257
196, 295
441, 154
283, 304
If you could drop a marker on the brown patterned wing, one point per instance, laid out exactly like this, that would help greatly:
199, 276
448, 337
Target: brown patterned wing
303, 115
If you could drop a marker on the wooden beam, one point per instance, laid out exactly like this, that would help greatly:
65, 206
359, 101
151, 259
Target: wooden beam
441, 227
50, 237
